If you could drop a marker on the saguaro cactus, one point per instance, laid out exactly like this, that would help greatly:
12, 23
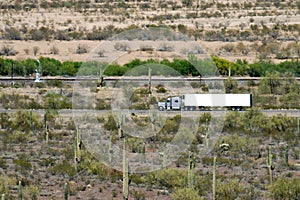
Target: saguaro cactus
191, 170
287, 155
78, 145
46, 127
152, 120
269, 164
110, 150
31, 121
75, 157
120, 123
125, 173
45, 120
20, 192
47, 134
164, 163
66, 191
206, 133
77, 148
214, 179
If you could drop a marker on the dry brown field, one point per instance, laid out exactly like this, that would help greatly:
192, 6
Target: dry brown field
272, 26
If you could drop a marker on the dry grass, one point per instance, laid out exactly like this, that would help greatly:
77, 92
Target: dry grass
101, 15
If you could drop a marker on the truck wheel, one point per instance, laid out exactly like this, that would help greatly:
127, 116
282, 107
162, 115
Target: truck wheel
233, 108
238, 108
161, 108
191, 108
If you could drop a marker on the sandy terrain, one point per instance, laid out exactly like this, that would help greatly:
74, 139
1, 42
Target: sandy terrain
222, 15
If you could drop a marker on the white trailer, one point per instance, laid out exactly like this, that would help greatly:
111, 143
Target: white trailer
201, 101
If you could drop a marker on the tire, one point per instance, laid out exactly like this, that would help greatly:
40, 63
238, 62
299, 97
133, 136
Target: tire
192, 108
232, 108
161, 108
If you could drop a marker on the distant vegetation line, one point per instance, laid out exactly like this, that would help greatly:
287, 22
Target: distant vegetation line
254, 33
53, 67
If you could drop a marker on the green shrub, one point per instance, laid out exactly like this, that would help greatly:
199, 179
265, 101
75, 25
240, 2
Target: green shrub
160, 89
168, 178
111, 124
285, 188
140, 106
64, 169
102, 104
57, 101
232, 189
185, 194
22, 163
138, 195
3, 164
55, 83
32, 192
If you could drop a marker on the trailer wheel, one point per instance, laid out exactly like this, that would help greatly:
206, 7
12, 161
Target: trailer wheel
161, 108
201, 108
192, 108
238, 108
233, 108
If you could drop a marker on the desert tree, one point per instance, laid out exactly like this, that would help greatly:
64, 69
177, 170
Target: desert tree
12, 34
54, 50
121, 46
7, 50
81, 49
36, 50
101, 53
26, 51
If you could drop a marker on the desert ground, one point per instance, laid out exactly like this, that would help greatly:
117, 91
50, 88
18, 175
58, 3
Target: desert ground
230, 29
42, 154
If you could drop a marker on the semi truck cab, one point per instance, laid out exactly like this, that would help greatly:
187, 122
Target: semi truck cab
171, 103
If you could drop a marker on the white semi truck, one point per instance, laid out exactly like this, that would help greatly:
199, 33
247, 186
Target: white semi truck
201, 101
